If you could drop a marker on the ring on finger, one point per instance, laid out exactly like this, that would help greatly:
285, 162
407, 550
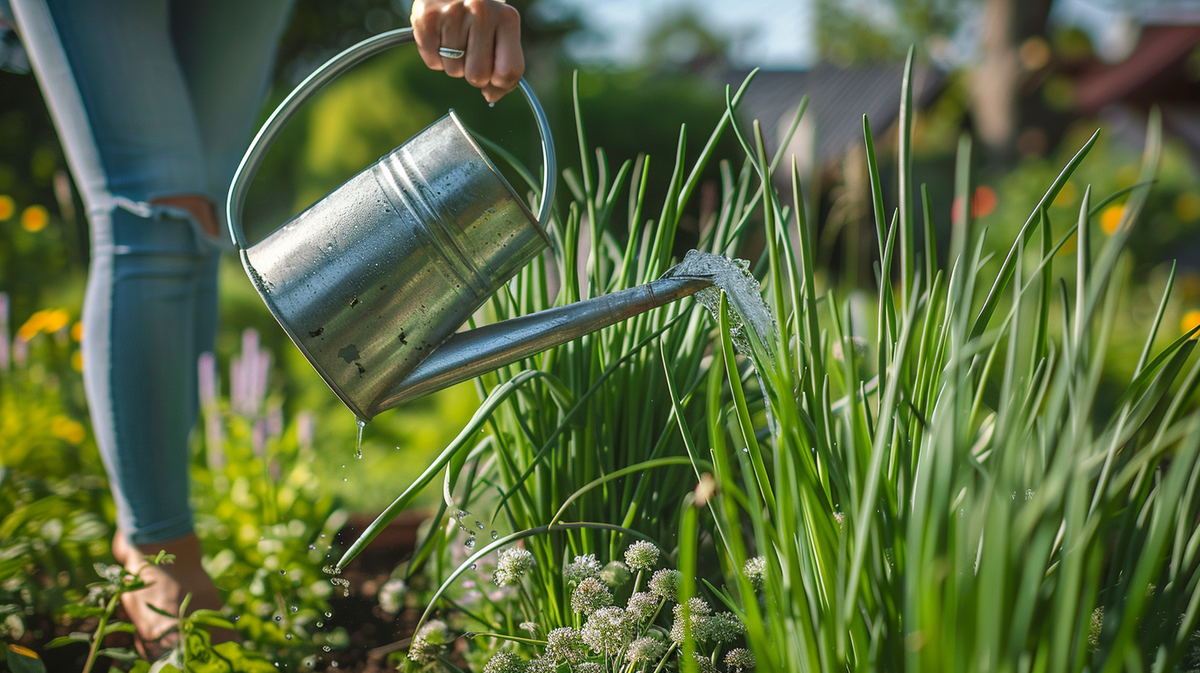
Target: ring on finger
447, 52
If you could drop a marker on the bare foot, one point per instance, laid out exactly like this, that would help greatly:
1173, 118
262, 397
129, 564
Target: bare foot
168, 584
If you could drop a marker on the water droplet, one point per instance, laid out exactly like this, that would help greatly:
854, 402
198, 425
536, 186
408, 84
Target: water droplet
479, 524
470, 543
491, 105
495, 535
328, 615
282, 572
358, 447
278, 618
331, 570
325, 648
745, 450
472, 566
295, 609
320, 624
311, 547
288, 636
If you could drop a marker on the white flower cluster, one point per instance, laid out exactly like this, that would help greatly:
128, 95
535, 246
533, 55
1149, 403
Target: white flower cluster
428, 641
698, 617
706, 626
643, 606
565, 645
665, 583
512, 566
590, 596
582, 568
608, 630
505, 662
645, 650
739, 659
755, 570
391, 595
641, 555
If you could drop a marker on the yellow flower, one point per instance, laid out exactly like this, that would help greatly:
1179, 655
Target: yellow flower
34, 219
1187, 207
7, 207
77, 331
1110, 219
67, 429
23, 651
49, 320
1190, 321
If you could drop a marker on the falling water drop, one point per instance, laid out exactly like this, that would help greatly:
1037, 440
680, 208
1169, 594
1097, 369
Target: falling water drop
358, 447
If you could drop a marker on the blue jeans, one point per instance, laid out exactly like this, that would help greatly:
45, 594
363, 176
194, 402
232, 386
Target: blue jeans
151, 99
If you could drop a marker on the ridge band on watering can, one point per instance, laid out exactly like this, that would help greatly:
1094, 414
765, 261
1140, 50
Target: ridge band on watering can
372, 278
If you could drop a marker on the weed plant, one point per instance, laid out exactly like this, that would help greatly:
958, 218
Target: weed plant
969, 508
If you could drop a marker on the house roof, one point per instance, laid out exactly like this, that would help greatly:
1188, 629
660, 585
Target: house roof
838, 99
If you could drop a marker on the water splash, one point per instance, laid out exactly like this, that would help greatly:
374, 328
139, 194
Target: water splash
733, 277
749, 314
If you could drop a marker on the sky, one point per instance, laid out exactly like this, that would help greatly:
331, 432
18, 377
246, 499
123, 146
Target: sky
777, 34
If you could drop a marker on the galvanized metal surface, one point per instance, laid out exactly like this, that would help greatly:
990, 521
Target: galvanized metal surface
372, 278
466, 355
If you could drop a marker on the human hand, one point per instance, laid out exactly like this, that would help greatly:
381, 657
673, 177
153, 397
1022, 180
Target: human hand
489, 32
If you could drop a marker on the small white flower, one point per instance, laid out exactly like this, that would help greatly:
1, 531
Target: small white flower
703, 665
391, 595
645, 650
512, 566
739, 659
641, 555
755, 570
505, 662
725, 627
608, 630
565, 644
665, 583
589, 596
428, 641
582, 568
699, 618
643, 605
531, 627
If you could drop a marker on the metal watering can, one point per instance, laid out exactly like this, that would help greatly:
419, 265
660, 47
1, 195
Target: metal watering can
372, 281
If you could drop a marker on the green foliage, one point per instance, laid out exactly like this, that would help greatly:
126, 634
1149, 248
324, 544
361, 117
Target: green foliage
966, 508
263, 513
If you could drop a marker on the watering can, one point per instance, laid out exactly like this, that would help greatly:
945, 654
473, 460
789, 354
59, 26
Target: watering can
372, 281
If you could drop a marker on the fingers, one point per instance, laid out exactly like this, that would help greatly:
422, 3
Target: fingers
489, 33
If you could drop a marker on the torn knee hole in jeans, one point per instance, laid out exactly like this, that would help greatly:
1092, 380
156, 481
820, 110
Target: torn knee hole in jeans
160, 211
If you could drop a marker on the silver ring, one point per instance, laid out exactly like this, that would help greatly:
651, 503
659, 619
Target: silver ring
446, 52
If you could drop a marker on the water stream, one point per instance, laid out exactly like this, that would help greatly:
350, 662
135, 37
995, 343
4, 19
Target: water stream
733, 277
749, 314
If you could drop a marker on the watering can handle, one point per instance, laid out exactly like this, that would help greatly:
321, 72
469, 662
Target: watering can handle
315, 82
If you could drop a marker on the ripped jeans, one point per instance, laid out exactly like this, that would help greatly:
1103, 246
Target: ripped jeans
152, 99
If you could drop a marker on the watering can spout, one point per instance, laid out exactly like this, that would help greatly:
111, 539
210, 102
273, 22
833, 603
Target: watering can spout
466, 355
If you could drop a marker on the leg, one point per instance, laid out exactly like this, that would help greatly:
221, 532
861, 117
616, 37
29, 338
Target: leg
124, 115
